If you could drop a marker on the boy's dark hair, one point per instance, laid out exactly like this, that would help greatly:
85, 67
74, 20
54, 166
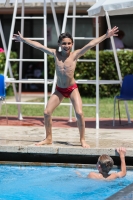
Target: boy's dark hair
64, 35
106, 163
121, 34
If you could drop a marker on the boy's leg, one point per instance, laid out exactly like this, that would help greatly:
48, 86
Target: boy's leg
53, 102
77, 104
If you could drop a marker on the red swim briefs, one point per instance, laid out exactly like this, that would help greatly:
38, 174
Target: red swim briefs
67, 91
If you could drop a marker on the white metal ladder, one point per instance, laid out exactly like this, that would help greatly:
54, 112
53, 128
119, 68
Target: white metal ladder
45, 81
5, 49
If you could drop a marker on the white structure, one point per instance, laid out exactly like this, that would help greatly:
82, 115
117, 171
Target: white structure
20, 81
5, 49
113, 7
2, 1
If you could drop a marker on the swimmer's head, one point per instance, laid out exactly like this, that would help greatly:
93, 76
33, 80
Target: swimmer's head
64, 35
105, 163
121, 34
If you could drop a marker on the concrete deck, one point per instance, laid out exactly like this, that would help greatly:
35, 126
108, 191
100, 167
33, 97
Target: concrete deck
21, 135
22, 139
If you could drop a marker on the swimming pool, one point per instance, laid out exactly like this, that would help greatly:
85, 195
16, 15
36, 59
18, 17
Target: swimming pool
55, 183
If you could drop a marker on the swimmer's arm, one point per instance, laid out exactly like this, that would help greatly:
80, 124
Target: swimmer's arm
122, 173
37, 45
78, 173
122, 153
116, 175
91, 44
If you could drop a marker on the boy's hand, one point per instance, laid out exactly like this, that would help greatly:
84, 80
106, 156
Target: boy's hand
112, 32
18, 38
121, 151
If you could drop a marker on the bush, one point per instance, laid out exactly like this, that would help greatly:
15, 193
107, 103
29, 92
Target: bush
107, 71
13, 66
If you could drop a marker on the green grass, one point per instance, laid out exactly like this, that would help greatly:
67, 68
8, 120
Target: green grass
106, 109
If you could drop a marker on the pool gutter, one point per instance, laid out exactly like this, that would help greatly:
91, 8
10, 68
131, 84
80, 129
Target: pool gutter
125, 193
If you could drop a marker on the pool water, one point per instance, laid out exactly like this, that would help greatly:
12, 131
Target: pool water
55, 183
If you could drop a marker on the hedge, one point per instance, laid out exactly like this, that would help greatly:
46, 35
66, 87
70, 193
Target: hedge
14, 67
107, 71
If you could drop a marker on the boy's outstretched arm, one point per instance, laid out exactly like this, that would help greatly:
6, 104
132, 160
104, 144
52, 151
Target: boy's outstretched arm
122, 153
122, 173
82, 51
19, 38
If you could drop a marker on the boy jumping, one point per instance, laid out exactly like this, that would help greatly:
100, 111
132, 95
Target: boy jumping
65, 64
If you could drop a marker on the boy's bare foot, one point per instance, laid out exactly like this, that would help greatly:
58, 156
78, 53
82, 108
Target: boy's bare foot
44, 142
84, 144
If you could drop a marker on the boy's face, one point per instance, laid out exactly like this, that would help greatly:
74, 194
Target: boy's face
66, 45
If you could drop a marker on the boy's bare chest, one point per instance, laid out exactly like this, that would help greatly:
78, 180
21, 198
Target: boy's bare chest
62, 63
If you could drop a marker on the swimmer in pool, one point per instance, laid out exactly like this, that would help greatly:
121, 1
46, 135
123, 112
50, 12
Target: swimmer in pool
105, 164
65, 64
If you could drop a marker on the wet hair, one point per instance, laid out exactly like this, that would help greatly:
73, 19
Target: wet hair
64, 35
105, 162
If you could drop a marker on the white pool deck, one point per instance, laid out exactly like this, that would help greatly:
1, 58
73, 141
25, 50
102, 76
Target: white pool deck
22, 139
65, 141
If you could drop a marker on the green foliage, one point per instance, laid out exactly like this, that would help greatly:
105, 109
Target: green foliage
14, 66
107, 71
